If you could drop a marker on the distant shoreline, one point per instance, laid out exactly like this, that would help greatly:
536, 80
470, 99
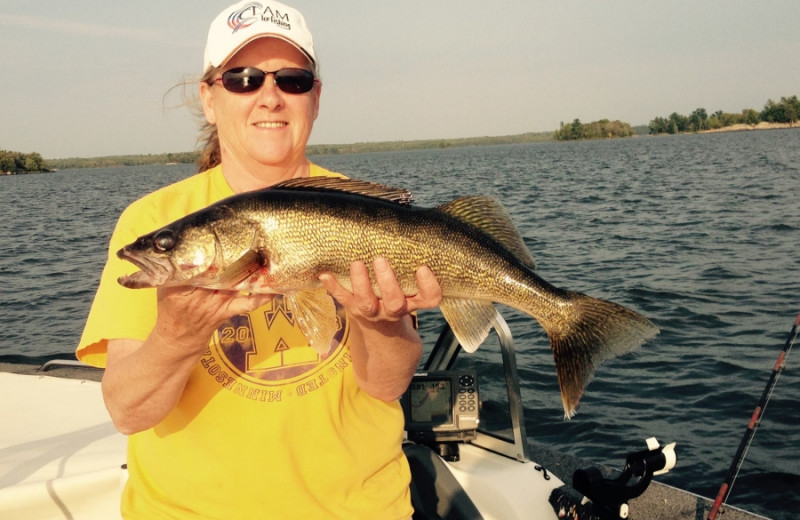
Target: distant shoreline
363, 147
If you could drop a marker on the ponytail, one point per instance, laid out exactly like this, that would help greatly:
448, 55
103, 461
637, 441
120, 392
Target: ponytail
209, 138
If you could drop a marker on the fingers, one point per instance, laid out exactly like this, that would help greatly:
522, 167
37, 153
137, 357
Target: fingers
242, 304
363, 300
335, 289
394, 300
429, 292
386, 300
364, 297
188, 316
203, 308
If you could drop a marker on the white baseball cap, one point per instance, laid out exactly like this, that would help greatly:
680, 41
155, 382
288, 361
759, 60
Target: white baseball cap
246, 21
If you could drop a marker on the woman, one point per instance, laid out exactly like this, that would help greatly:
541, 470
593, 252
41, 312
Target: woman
230, 413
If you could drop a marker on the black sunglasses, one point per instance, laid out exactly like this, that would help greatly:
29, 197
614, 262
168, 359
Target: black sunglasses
249, 79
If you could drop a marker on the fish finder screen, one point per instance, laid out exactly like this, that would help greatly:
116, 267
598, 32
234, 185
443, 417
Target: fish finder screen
431, 401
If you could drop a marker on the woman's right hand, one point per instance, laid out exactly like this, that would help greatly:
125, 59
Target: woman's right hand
188, 316
144, 380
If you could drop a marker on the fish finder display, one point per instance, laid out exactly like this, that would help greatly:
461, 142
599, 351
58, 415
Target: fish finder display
442, 406
432, 401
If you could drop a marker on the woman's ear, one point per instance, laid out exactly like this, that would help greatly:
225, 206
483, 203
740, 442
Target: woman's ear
207, 98
317, 94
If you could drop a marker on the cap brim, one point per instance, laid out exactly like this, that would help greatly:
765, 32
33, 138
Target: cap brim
265, 35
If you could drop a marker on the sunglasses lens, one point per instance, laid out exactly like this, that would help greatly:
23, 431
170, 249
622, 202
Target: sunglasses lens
294, 81
248, 79
243, 79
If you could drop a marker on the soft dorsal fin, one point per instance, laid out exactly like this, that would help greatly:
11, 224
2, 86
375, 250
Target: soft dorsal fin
490, 216
339, 184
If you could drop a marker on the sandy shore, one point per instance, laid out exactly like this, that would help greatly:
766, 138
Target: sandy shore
760, 126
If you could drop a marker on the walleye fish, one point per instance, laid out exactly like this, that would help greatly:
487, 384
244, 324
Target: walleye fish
280, 239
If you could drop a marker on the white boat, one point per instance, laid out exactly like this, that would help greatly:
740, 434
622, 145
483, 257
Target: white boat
63, 459
61, 456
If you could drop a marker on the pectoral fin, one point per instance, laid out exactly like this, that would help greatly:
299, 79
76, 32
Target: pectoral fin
315, 314
470, 320
238, 271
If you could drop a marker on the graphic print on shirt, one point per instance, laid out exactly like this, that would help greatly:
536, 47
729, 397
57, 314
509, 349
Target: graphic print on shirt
266, 348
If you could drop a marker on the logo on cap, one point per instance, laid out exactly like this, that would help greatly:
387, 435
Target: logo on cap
244, 17
249, 14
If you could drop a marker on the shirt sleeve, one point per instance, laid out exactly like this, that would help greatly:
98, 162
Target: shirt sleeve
118, 312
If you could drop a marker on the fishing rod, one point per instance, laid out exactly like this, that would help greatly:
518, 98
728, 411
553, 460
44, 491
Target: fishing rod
755, 420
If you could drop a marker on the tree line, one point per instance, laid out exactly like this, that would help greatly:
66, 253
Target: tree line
425, 144
785, 111
17, 162
602, 129
112, 161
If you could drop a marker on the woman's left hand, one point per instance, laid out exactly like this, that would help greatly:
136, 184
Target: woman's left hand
364, 305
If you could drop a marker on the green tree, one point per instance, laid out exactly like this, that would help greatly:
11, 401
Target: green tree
698, 119
602, 129
678, 123
659, 125
34, 163
576, 129
6, 162
17, 162
787, 111
750, 116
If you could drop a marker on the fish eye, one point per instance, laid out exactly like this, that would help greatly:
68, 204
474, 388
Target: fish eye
164, 240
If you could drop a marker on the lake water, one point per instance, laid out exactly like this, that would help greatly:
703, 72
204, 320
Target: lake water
698, 232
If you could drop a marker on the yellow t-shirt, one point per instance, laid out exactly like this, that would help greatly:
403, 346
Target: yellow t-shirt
266, 427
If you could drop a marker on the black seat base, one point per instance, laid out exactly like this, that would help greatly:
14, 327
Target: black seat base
435, 493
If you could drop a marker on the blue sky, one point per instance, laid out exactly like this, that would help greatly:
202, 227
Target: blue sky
88, 78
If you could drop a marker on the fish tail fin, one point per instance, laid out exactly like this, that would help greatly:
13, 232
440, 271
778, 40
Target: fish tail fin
595, 331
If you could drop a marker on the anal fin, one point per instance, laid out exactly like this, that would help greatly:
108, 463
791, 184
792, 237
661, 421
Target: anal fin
315, 313
470, 320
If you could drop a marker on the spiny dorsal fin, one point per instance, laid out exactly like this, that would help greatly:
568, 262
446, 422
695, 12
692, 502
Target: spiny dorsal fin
490, 216
339, 184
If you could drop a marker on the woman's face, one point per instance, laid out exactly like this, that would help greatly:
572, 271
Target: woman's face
267, 127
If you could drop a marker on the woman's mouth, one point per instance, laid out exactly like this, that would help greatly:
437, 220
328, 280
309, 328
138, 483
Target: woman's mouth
270, 124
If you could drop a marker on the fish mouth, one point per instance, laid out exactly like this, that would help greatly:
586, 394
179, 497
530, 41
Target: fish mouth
153, 272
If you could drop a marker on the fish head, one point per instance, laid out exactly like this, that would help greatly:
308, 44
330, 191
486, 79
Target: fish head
211, 248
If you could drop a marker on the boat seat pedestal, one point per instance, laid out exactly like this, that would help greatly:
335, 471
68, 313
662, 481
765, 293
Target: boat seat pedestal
435, 492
